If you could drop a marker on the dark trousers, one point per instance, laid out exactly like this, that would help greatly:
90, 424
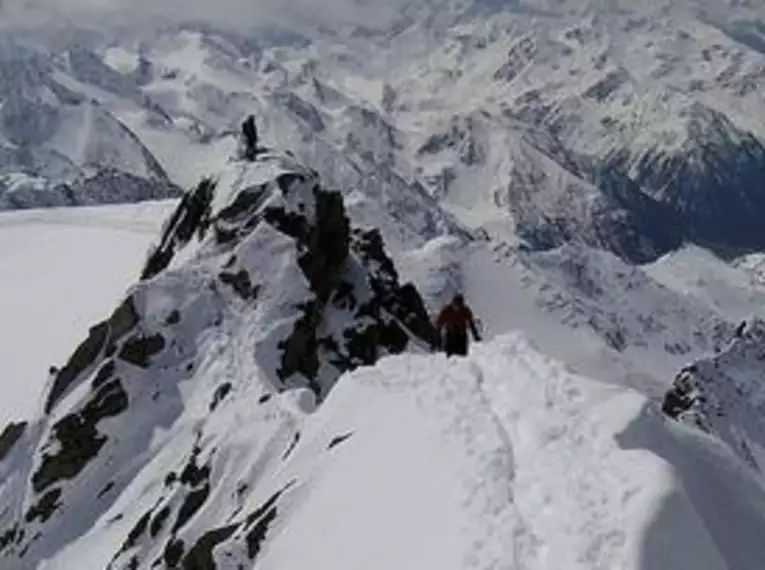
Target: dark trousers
456, 343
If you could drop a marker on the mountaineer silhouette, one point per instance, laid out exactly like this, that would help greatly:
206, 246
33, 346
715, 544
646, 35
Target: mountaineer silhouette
453, 322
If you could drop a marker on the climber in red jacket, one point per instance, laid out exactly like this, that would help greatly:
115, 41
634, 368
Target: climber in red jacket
455, 319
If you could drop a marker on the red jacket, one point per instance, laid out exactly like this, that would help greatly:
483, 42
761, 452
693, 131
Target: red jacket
456, 320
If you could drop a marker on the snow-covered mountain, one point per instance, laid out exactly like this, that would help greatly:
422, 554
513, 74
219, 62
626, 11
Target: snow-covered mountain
721, 395
262, 265
265, 392
210, 422
632, 128
60, 147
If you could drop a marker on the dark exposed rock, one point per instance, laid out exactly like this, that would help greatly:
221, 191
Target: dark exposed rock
290, 223
257, 534
629, 223
402, 302
244, 205
138, 350
258, 523
285, 181
84, 357
171, 479
45, 507
135, 534
363, 345
11, 434
193, 475
7, 537
293, 445
369, 244
77, 436
104, 373
338, 440
108, 487
711, 185
250, 138
264, 398
224, 236
123, 320
157, 261
407, 306
159, 521
344, 297
173, 553
327, 245
200, 557
103, 334
220, 394
299, 350
722, 395
348, 274
607, 86
462, 138
191, 215
173, 318
681, 398
301, 109
240, 282
191, 504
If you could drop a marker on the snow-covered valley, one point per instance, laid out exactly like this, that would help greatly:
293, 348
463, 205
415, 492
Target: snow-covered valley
246, 373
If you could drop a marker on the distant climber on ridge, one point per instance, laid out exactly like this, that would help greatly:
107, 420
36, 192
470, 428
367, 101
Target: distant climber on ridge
250, 135
455, 318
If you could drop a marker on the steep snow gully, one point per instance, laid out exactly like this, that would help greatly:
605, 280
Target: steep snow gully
266, 397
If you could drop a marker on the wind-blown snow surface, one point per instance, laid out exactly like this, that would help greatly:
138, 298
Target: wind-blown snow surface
502, 460
61, 271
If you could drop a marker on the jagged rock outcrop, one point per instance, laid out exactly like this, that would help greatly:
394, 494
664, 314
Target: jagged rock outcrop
724, 395
258, 285
9, 436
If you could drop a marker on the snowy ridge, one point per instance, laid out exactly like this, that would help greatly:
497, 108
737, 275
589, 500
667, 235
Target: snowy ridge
276, 292
264, 394
211, 421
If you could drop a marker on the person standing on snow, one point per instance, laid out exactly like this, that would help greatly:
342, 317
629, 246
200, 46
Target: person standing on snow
455, 319
250, 138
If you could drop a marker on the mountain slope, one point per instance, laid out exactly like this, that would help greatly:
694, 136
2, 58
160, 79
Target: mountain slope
274, 277
721, 395
59, 147
62, 269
